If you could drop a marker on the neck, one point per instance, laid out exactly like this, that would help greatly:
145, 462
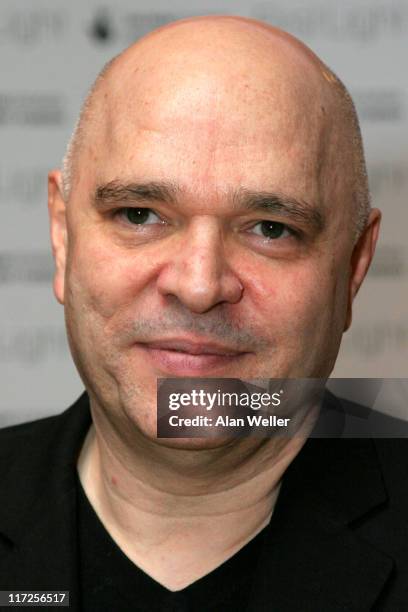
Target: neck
161, 504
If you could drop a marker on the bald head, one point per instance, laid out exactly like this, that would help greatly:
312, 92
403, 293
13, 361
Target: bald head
220, 73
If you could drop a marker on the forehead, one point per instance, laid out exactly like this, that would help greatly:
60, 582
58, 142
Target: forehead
203, 135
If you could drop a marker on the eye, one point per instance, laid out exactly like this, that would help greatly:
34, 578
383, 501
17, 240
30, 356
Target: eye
140, 216
272, 230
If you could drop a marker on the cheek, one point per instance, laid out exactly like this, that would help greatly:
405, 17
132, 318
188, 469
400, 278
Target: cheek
293, 300
106, 280
282, 291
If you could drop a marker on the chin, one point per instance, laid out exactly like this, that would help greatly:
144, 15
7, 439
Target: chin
195, 443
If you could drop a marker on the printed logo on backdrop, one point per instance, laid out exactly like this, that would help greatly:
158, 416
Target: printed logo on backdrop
387, 177
380, 105
364, 22
26, 267
379, 337
102, 29
108, 26
31, 346
32, 109
389, 261
33, 26
24, 186
388, 182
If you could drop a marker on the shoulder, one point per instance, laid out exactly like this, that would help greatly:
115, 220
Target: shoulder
34, 428
39, 437
359, 421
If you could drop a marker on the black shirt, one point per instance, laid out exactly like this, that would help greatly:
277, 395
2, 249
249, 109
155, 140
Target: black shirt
111, 582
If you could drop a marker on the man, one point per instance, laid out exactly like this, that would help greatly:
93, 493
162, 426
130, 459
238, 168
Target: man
212, 220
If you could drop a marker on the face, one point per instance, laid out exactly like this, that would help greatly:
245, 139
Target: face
202, 240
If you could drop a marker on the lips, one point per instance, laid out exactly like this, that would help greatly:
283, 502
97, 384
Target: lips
184, 357
192, 348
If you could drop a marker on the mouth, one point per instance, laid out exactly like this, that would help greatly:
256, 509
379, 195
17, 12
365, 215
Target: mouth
184, 357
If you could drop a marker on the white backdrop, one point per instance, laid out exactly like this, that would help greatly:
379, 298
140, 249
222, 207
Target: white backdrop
50, 51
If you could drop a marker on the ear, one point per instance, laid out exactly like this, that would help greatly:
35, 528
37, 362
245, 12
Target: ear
58, 228
361, 259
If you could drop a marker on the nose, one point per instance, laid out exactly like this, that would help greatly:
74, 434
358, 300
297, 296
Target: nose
198, 274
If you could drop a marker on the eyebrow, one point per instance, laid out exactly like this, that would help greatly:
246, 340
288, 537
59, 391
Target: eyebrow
287, 206
144, 193
134, 193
